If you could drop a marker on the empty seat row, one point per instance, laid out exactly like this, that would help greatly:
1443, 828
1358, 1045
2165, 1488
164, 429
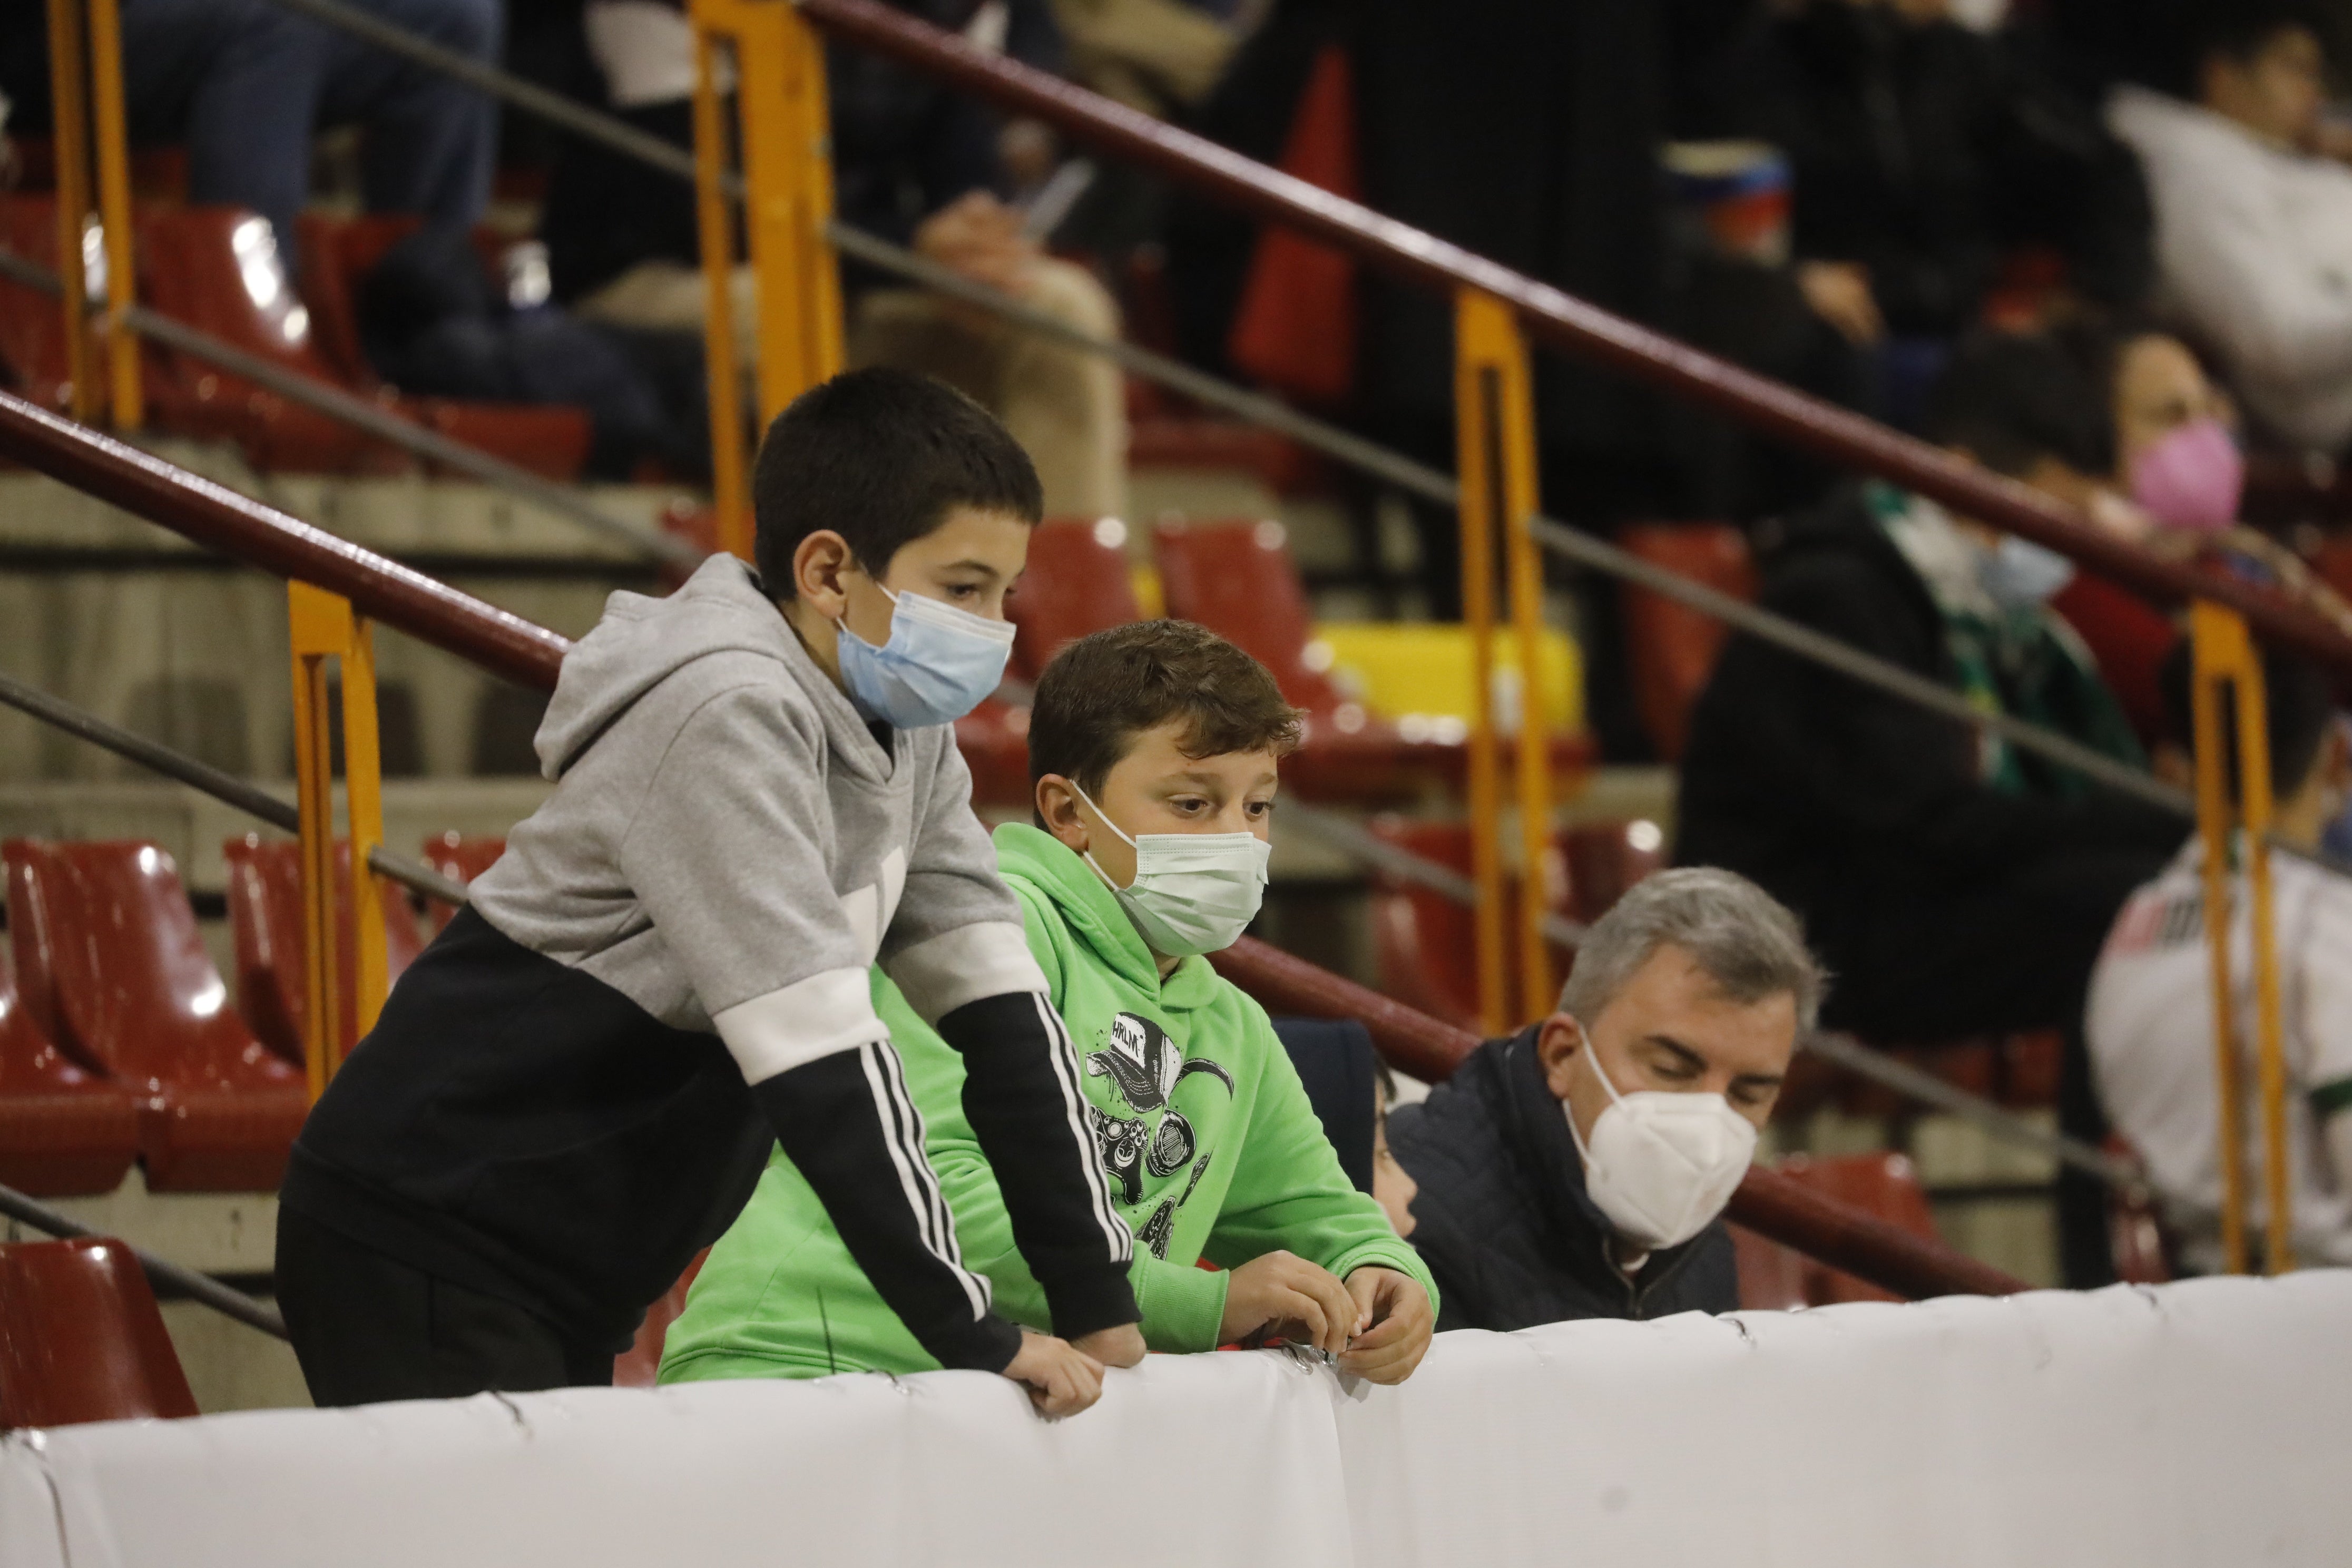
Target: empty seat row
118, 1041
226, 276
1238, 579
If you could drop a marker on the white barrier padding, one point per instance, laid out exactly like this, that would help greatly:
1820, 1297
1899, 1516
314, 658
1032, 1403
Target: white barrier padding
2207, 1424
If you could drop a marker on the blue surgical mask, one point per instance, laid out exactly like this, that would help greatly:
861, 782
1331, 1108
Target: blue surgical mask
937, 665
2018, 573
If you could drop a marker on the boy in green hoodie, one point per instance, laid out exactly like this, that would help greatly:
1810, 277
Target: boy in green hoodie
1152, 752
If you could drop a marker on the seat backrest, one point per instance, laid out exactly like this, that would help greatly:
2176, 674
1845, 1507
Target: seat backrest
1078, 582
461, 858
1605, 860
81, 1339
221, 270
111, 965
336, 253
266, 921
29, 1060
32, 324
1882, 1183
1427, 944
1670, 648
1238, 580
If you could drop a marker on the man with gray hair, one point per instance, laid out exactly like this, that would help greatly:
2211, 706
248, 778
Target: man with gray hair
1578, 1169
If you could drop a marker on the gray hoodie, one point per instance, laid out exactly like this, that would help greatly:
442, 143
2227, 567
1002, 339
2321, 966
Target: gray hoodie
572, 1091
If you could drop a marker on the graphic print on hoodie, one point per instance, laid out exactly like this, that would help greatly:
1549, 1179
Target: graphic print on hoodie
574, 1089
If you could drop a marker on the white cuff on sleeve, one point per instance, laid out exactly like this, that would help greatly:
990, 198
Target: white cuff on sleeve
828, 1012
941, 973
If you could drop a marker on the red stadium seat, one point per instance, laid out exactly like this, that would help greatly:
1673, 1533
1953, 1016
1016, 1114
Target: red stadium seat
637, 1366
1670, 648
110, 964
1078, 583
336, 253
81, 1338
32, 324
1883, 1184
1426, 943
63, 1130
1604, 860
265, 913
995, 740
461, 859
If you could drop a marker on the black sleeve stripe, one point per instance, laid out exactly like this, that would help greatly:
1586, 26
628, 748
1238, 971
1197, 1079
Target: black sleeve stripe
1063, 1055
921, 1188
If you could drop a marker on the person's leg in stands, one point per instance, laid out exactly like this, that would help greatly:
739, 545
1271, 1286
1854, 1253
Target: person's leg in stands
429, 141
338, 1297
239, 82
2012, 954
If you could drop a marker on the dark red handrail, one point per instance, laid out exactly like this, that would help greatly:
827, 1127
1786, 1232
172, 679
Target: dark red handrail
1767, 1203
530, 655
1565, 323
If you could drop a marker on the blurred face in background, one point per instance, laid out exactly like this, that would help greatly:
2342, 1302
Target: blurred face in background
2275, 92
2160, 387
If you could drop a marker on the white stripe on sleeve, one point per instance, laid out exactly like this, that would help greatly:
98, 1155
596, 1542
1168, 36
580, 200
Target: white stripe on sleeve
830, 1011
941, 974
902, 1128
1063, 1058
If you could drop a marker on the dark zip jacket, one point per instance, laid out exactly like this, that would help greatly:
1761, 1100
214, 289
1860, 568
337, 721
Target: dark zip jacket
1503, 1220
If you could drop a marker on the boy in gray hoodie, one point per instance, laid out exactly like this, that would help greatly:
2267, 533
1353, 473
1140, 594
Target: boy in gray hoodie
757, 798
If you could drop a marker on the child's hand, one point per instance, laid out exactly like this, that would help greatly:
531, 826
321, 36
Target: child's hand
1119, 1346
1397, 1308
1062, 1380
1282, 1296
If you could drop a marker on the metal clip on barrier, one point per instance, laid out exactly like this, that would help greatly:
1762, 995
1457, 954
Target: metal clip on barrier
324, 627
788, 177
2226, 659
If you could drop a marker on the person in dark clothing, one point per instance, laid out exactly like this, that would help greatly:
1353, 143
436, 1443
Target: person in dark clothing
1579, 1168
1956, 885
1923, 151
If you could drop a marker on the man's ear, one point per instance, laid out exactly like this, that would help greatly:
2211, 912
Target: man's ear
817, 565
1557, 1044
1057, 807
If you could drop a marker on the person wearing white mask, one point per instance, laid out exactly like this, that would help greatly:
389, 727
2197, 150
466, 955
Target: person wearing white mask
1579, 1168
1154, 751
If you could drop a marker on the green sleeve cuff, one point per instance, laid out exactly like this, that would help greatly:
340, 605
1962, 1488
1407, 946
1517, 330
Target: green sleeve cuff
1388, 1253
1182, 1307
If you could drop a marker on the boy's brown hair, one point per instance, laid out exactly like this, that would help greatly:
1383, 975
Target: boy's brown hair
1101, 691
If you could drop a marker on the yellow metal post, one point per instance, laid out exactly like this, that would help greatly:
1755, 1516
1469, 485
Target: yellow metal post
1495, 424
729, 500
324, 628
2225, 659
114, 211
69, 133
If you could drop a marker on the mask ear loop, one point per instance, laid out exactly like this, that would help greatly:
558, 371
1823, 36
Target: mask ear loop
1592, 1052
841, 621
1103, 818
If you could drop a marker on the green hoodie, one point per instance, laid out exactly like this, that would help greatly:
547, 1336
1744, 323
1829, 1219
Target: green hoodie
1211, 1145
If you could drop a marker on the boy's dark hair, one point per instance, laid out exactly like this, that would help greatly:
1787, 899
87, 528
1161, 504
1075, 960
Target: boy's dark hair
2015, 398
2238, 30
880, 456
2295, 700
1101, 691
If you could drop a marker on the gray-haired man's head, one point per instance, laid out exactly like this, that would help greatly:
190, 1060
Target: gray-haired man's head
1697, 982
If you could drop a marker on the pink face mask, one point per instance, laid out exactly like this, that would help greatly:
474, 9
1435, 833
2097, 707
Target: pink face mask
2191, 480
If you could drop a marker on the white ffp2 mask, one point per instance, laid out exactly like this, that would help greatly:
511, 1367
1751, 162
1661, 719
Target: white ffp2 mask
1661, 1164
1193, 892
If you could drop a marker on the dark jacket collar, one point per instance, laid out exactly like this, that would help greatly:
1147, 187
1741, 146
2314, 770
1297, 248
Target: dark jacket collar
1536, 1122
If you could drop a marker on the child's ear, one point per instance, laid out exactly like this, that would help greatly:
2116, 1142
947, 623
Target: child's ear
1057, 809
817, 565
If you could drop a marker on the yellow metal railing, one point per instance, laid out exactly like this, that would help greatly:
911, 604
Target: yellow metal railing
782, 125
2226, 660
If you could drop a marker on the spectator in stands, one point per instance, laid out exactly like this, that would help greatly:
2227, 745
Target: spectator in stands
1153, 748
757, 792
1924, 151
1957, 885
2151, 1014
1579, 1168
2251, 224
245, 84
916, 162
